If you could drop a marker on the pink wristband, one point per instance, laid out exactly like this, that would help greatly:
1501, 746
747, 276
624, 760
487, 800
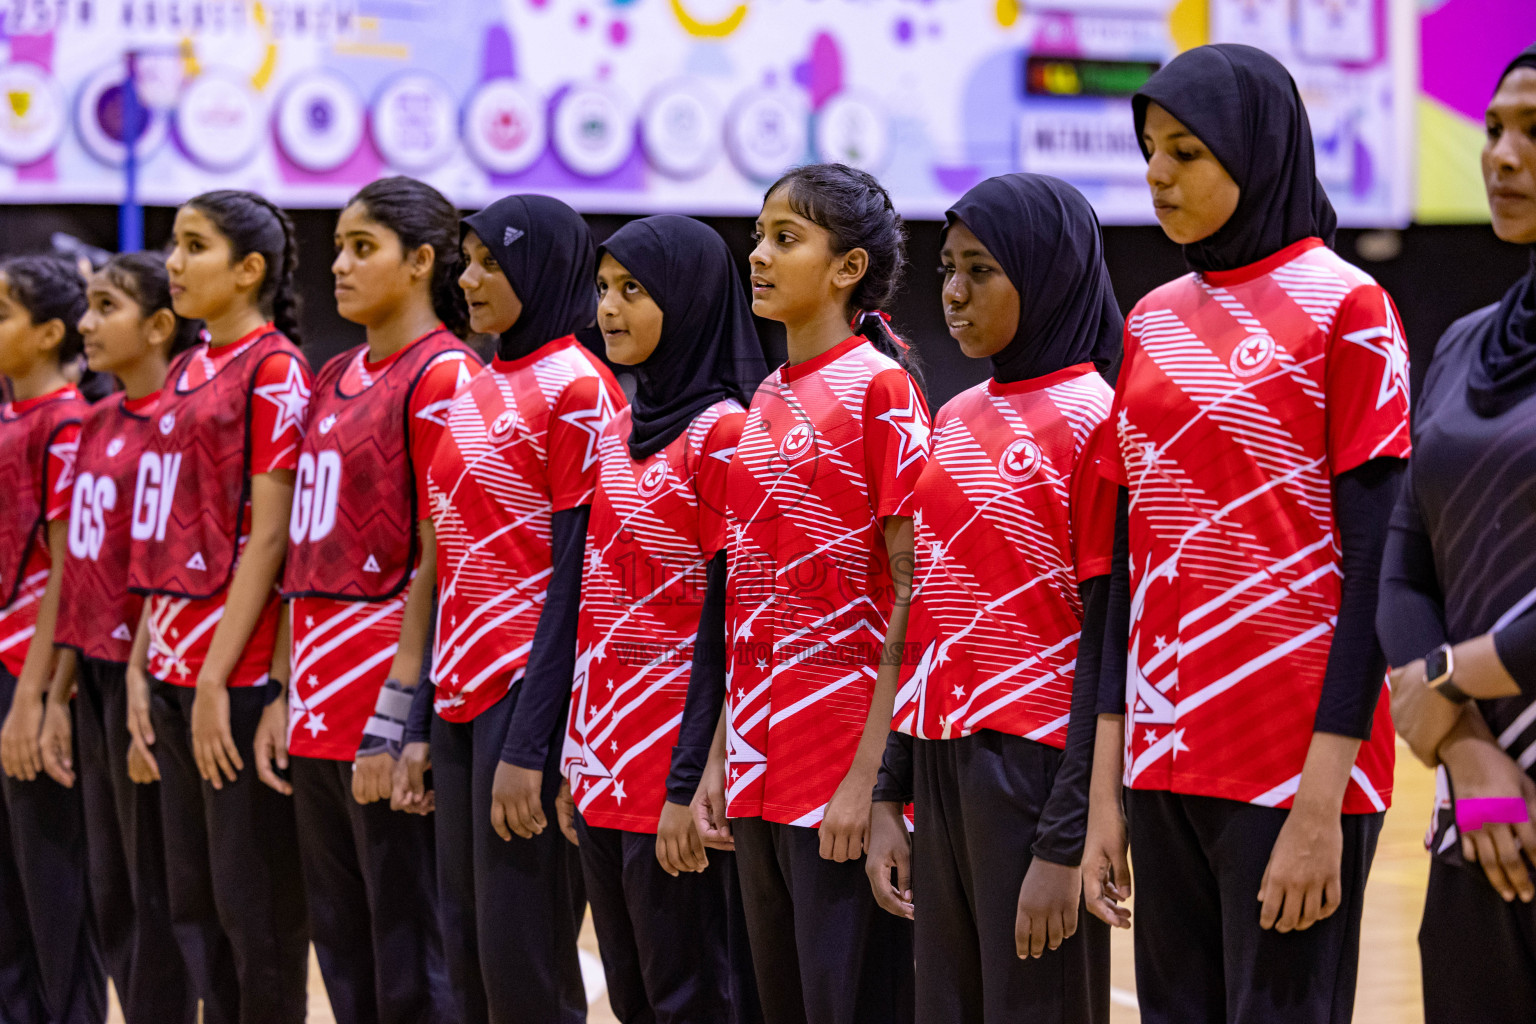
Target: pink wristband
1474, 813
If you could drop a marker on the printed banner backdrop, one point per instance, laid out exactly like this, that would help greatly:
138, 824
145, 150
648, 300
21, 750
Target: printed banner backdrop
660, 105
1464, 44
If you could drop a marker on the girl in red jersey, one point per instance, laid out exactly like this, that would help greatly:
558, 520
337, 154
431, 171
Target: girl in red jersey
209, 532
130, 333
50, 969
670, 305
1013, 533
360, 624
833, 444
1260, 426
510, 487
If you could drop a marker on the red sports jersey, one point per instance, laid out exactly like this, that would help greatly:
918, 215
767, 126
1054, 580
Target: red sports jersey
99, 613
1011, 516
277, 408
39, 438
521, 445
655, 525
831, 447
1243, 393
342, 649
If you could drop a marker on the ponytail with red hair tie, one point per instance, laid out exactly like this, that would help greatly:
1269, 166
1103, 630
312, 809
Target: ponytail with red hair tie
875, 325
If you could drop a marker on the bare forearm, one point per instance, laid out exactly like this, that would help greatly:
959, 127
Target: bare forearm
1325, 774
244, 604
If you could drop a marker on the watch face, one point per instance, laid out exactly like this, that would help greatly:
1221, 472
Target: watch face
1436, 665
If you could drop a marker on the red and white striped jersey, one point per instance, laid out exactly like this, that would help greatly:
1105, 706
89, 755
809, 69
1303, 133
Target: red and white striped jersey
98, 613
830, 448
1242, 395
56, 475
1010, 516
181, 629
342, 650
655, 525
521, 445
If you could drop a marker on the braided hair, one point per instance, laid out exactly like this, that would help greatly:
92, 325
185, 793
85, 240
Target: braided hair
253, 223
50, 288
142, 277
420, 215
856, 210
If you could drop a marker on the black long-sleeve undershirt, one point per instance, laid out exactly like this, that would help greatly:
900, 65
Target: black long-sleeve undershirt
706, 689
539, 717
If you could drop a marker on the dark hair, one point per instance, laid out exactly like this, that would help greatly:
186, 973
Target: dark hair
253, 223
142, 277
420, 215
50, 288
856, 210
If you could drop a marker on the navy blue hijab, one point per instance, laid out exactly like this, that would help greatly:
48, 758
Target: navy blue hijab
546, 251
709, 349
1245, 107
1045, 236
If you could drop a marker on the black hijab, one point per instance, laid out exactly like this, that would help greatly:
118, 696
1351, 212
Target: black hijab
709, 348
1505, 371
1046, 238
546, 251
1244, 106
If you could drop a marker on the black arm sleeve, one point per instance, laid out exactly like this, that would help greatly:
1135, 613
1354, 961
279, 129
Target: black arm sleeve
1064, 823
893, 783
1362, 507
1516, 647
1116, 629
418, 724
540, 713
706, 690
1410, 610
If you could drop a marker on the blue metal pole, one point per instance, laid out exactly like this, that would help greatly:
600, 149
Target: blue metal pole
130, 215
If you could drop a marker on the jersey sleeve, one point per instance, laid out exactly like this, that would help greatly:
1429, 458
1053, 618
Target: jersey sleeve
581, 412
279, 412
1092, 510
709, 482
896, 432
59, 474
1366, 381
429, 414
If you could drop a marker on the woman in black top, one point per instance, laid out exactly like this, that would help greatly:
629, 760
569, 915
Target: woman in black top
1458, 608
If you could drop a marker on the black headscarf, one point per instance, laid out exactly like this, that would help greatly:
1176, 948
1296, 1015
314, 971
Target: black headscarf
1244, 106
1046, 238
709, 349
1505, 372
546, 251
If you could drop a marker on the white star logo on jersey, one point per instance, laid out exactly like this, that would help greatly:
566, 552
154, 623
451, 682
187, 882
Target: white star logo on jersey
315, 723
796, 442
911, 426
1020, 461
291, 397
114, 447
618, 791
65, 452
1252, 354
590, 422
1386, 342
584, 762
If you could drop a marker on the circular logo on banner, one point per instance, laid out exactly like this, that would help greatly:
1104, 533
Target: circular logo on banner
852, 129
1252, 354
504, 126
101, 119
319, 121
31, 113
653, 479
796, 442
415, 122
680, 129
594, 130
765, 133
1020, 461
219, 121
